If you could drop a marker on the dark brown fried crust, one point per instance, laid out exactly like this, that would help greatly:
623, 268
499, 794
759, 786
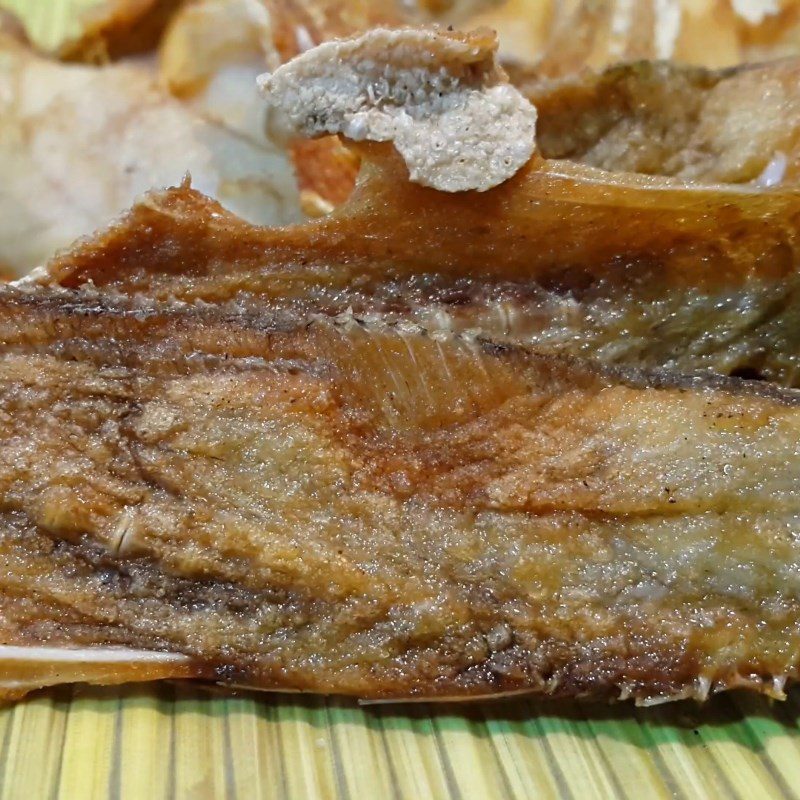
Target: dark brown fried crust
368, 509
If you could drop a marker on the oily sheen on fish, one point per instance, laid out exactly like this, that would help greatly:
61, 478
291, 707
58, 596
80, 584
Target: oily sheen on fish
440, 444
637, 271
582, 255
334, 505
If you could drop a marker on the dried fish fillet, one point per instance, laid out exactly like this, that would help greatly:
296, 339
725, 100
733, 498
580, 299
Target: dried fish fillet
730, 126
650, 271
625, 268
370, 509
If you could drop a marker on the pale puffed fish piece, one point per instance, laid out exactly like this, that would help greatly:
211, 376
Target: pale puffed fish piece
79, 144
440, 97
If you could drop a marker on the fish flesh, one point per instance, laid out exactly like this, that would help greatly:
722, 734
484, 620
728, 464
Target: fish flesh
278, 458
645, 270
326, 170
633, 270
368, 508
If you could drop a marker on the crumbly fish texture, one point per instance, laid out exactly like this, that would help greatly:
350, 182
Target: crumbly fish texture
372, 509
326, 170
438, 96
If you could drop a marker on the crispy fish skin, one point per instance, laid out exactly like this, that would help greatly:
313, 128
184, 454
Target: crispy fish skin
736, 125
647, 270
371, 509
642, 271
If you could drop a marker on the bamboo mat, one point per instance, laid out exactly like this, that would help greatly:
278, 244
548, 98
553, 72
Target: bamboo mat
169, 741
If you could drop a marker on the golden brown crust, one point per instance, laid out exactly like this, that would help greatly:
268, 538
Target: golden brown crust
367, 509
403, 227
696, 279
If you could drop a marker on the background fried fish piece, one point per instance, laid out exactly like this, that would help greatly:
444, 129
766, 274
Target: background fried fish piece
78, 144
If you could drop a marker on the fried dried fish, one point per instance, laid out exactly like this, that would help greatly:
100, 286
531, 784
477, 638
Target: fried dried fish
326, 170
561, 40
567, 36
377, 510
650, 271
295, 486
729, 126
693, 281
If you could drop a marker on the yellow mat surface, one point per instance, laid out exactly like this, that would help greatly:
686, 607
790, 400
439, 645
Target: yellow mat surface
169, 741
